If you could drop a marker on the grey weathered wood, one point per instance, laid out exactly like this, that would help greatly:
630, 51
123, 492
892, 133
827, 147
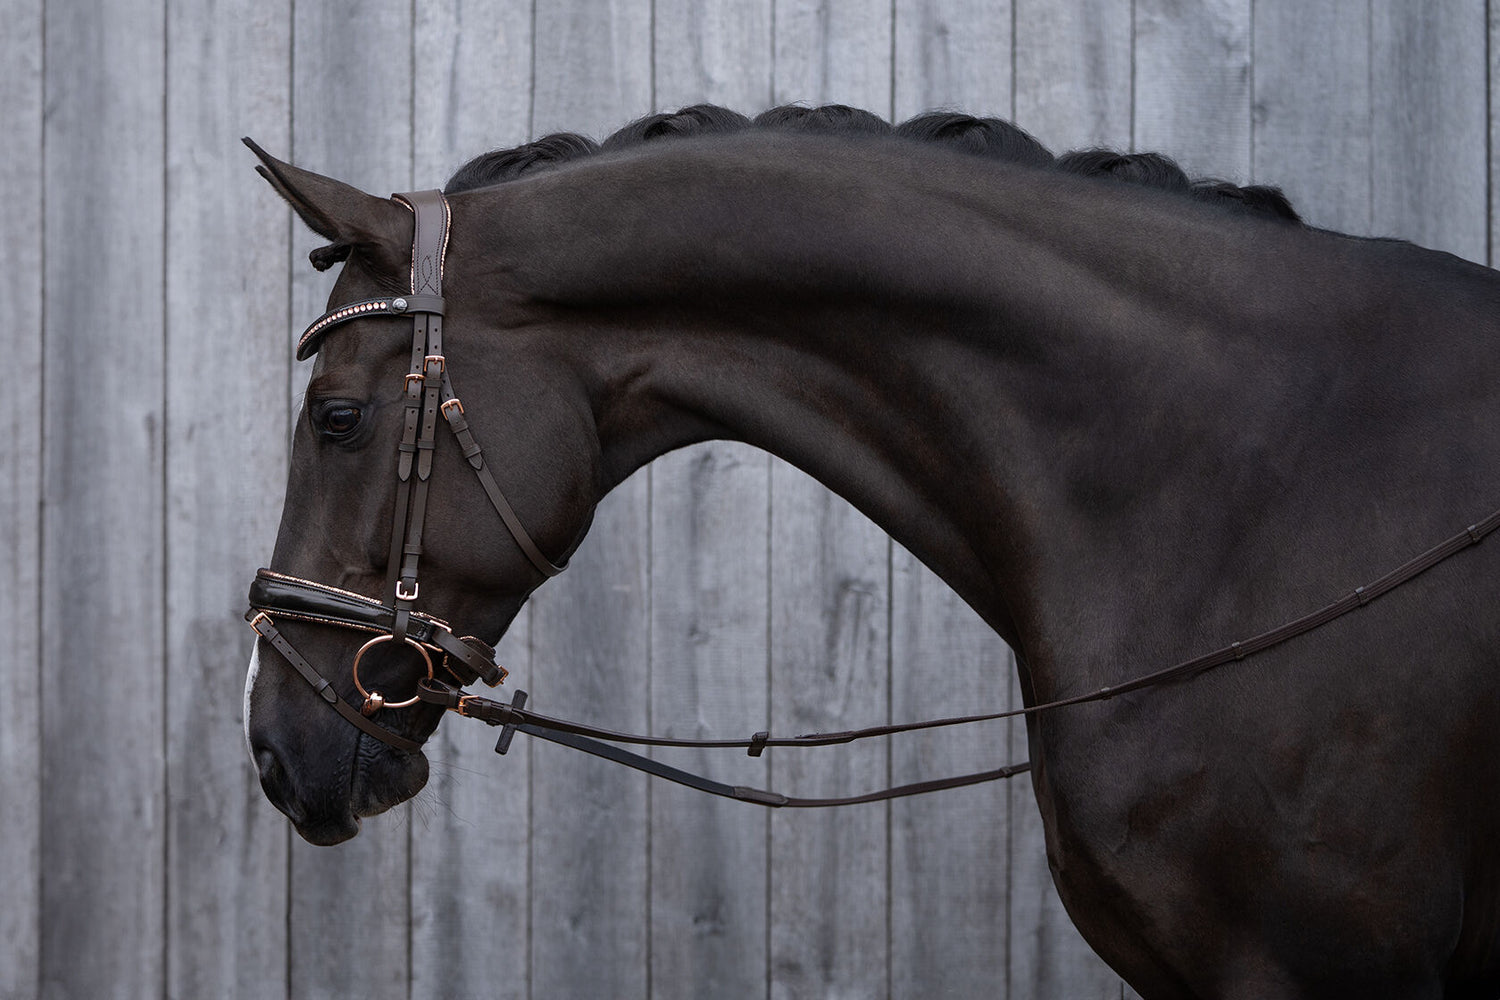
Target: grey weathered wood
709, 622
1192, 84
830, 579
21, 172
226, 460
1073, 89
1073, 72
1429, 134
593, 66
102, 857
589, 853
471, 880
833, 53
1494, 126
953, 54
950, 877
351, 119
830, 573
710, 509
1312, 108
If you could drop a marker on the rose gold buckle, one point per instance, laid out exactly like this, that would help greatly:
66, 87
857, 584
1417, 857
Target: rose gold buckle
442, 363
402, 595
417, 376
255, 623
452, 402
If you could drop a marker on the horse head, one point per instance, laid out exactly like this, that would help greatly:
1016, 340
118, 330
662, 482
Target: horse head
357, 517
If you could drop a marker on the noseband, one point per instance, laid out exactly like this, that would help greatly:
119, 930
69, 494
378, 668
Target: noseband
427, 397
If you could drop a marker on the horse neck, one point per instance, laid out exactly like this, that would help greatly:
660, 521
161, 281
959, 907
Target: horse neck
1007, 371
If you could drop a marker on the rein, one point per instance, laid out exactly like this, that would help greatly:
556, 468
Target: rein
428, 395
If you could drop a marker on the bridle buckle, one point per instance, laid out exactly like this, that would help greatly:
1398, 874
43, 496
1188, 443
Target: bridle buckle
255, 623
404, 595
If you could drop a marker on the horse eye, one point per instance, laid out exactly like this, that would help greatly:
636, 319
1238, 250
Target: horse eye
338, 419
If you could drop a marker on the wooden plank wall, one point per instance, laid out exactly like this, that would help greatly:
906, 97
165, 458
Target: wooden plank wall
152, 287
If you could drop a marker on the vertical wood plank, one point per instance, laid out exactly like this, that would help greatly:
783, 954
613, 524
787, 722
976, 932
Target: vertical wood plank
103, 832
1073, 72
351, 119
708, 650
950, 879
471, 882
593, 66
954, 54
709, 617
1192, 84
226, 468
1494, 126
949, 858
1074, 87
833, 54
829, 671
589, 851
830, 591
1312, 108
1429, 139
21, 172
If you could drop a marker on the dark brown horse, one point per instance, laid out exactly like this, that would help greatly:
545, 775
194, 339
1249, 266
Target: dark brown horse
1125, 425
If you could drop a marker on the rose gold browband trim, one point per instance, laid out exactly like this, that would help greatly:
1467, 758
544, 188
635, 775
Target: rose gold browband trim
394, 305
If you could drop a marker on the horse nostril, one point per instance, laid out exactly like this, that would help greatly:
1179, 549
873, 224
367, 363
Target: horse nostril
275, 781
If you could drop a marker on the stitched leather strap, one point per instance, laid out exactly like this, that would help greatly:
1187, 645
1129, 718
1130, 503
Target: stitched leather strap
514, 718
267, 630
285, 596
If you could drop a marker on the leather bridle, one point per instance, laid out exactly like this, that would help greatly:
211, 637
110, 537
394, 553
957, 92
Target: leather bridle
427, 392
427, 398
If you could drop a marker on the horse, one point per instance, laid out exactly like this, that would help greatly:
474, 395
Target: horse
1126, 421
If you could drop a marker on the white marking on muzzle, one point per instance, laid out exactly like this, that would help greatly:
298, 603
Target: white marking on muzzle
249, 684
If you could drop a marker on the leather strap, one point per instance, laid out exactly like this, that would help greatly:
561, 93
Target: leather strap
513, 718
468, 658
453, 412
267, 630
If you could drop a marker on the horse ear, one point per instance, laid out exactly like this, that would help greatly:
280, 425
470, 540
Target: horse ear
378, 228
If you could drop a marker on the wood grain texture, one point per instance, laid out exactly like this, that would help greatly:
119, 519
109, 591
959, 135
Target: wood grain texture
1316, 150
830, 571
590, 856
103, 812
710, 508
709, 622
21, 173
1074, 81
589, 853
950, 878
470, 880
1192, 84
351, 119
226, 463
955, 55
833, 53
1429, 136
593, 65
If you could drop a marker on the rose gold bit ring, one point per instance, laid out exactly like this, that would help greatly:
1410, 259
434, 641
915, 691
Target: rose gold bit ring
374, 701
